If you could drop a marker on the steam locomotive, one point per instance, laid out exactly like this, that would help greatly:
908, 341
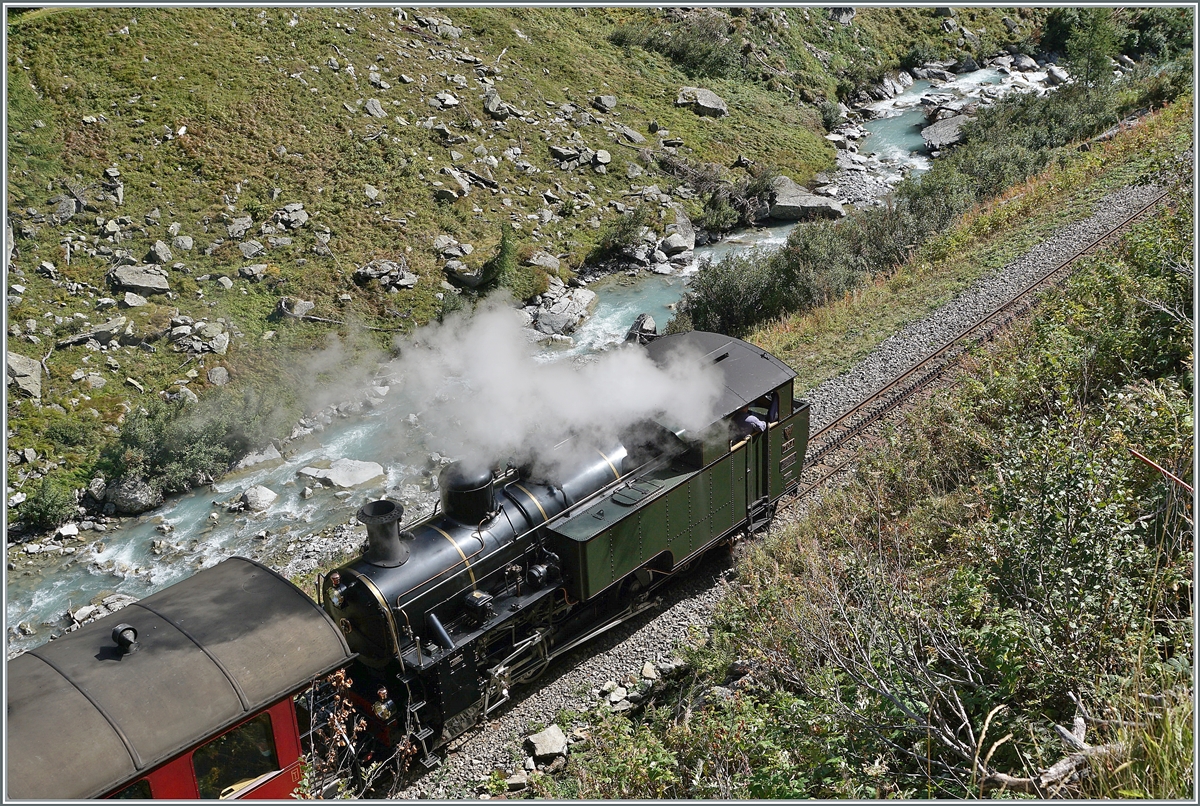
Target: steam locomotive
449, 614
437, 621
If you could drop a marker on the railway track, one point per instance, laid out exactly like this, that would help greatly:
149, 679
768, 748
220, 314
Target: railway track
830, 449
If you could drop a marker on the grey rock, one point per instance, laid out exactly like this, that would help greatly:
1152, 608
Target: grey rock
258, 498
183, 242
254, 272
674, 244
944, 133
463, 274
1024, 63
791, 202
345, 472
842, 16
225, 282
605, 103
601, 157
548, 744
702, 101
1056, 76
966, 65
25, 374
159, 253
239, 226
545, 260
132, 496
250, 249
102, 333
629, 134
294, 308
265, 456
374, 108
132, 300
218, 376
144, 279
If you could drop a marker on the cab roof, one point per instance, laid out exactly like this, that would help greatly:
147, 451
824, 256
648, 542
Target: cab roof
748, 372
84, 717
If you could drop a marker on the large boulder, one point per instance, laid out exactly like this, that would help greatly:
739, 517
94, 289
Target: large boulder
132, 496
702, 101
267, 455
944, 133
345, 472
791, 202
1055, 75
258, 498
565, 313
145, 279
25, 374
1024, 63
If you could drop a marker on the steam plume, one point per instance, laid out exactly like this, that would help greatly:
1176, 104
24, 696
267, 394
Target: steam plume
487, 398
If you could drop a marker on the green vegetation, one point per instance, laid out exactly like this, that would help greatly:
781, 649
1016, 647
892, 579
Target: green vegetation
1008, 143
1001, 564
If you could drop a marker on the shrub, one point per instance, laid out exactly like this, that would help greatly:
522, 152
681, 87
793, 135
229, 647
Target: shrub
831, 115
621, 233
50, 504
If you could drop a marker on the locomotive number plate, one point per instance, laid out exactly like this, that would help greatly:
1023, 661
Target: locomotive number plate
789, 445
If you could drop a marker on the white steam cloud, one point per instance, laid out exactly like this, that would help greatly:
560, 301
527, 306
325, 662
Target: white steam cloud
486, 398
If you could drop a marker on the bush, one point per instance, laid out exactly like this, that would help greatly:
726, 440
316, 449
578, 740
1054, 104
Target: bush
177, 446
49, 505
621, 233
698, 44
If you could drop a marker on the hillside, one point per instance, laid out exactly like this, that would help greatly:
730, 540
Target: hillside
263, 155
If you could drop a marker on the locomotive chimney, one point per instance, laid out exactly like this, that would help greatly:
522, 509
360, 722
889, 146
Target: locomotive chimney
385, 545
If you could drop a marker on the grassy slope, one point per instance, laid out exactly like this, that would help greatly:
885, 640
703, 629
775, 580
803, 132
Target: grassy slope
227, 75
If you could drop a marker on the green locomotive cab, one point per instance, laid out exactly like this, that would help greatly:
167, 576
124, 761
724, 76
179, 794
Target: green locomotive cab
706, 485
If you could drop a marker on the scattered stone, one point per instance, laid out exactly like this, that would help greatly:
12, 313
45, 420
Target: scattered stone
254, 272
159, 254
374, 108
604, 103
132, 300
218, 376
102, 334
548, 744
25, 374
144, 279
702, 101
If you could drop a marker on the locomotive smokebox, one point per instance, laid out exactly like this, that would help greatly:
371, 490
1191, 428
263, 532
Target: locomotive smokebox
386, 546
468, 493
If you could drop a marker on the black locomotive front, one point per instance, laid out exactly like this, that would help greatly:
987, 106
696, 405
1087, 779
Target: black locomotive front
448, 613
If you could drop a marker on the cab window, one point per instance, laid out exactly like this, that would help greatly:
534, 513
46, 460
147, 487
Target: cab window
232, 761
138, 790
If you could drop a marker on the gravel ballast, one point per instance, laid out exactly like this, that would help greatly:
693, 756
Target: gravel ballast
689, 602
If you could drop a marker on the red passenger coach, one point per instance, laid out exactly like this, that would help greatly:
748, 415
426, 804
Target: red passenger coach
185, 694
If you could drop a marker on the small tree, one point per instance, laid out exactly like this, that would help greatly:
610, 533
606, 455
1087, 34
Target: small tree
1092, 42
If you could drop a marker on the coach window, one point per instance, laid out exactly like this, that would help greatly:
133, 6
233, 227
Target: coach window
138, 790
234, 760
